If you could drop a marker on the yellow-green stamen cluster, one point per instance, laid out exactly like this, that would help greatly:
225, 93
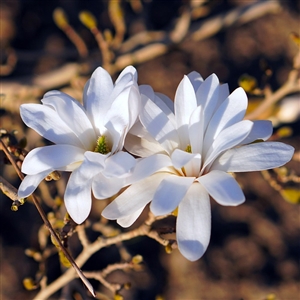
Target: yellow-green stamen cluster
101, 146
188, 149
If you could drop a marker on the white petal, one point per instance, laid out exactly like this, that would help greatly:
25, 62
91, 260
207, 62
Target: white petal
129, 220
181, 158
194, 223
47, 123
195, 79
148, 166
223, 188
73, 114
184, 104
51, 157
142, 147
96, 96
196, 130
158, 125
223, 93
254, 157
134, 198
78, 198
231, 111
119, 165
228, 138
161, 100
78, 194
208, 97
121, 116
31, 182
104, 187
261, 130
128, 70
169, 194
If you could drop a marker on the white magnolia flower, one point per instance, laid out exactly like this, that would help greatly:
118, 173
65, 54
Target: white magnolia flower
195, 144
88, 139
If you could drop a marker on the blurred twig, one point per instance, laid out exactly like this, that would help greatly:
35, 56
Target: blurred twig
240, 15
61, 21
292, 85
87, 252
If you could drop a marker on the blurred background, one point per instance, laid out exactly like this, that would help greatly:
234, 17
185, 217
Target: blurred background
254, 248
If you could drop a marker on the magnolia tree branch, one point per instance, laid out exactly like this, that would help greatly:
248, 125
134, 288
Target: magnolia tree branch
87, 252
46, 221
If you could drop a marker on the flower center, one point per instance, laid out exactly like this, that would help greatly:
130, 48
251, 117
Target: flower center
101, 145
188, 149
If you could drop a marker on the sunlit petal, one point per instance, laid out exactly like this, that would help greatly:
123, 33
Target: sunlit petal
254, 157
223, 188
169, 193
51, 157
47, 123
134, 198
31, 182
194, 223
158, 125
73, 114
184, 104
96, 96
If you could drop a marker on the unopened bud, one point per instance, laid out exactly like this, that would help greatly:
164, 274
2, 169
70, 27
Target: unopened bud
137, 259
60, 18
88, 19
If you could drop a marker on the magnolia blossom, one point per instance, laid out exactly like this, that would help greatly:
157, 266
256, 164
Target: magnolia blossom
88, 139
189, 149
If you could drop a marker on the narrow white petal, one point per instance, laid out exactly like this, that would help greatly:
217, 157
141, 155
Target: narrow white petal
119, 165
184, 104
161, 100
261, 130
208, 97
195, 79
194, 223
231, 111
51, 157
121, 116
78, 194
125, 80
158, 125
196, 130
223, 188
74, 115
78, 197
46, 122
134, 198
180, 158
129, 220
148, 166
104, 187
96, 96
128, 70
169, 194
134, 106
31, 182
228, 138
142, 147
223, 94
254, 157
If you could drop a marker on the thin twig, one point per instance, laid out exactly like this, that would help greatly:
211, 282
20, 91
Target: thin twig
87, 252
47, 223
